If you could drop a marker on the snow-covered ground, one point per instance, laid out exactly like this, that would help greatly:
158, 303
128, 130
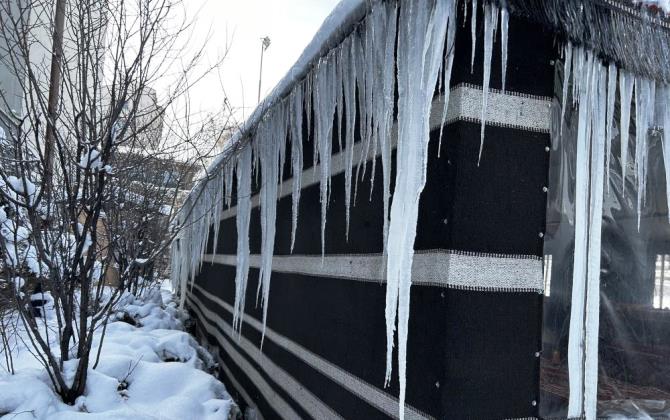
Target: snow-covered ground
152, 370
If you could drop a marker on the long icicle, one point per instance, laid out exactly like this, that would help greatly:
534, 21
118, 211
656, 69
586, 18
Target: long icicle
504, 35
447, 67
642, 97
597, 170
567, 71
384, 103
268, 135
349, 51
576, 332
665, 91
296, 156
323, 129
626, 96
490, 22
243, 173
473, 35
422, 30
611, 98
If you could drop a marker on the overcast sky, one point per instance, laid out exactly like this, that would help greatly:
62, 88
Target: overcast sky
241, 24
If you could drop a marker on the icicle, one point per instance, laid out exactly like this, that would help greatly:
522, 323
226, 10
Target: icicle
349, 82
363, 67
296, 156
665, 91
490, 22
230, 172
626, 95
644, 95
446, 75
383, 104
282, 134
594, 236
420, 47
504, 30
220, 178
473, 34
370, 68
340, 97
243, 173
268, 146
611, 98
578, 58
567, 71
576, 332
323, 127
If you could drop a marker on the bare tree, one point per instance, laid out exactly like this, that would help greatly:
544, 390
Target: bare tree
90, 184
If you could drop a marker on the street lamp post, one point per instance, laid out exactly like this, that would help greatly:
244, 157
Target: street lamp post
265, 43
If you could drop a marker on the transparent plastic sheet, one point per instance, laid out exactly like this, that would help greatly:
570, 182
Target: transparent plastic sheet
634, 332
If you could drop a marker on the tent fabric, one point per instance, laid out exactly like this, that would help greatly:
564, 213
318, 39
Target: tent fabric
473, 344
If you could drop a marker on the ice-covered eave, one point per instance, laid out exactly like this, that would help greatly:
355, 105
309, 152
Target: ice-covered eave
337, 26
635, 37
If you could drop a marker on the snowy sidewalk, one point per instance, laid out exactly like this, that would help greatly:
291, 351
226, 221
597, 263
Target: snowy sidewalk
153, 370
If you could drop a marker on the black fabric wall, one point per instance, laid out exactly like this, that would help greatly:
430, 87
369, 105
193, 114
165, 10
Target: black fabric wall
472, 354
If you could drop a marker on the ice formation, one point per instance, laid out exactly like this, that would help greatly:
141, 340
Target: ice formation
348, 53
473, 34
272, 132
296, 156
447, 66
626, 95
611, 99
323, 130
243, 173
567, 69
644, 114
665, 121
490, 24
504, 35
420, 49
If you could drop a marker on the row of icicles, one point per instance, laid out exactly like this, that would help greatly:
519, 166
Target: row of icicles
364, 63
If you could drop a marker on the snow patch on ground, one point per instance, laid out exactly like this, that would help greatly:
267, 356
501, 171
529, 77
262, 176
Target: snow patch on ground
148, 369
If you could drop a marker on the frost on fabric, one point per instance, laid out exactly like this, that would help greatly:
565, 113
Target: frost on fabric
243, 173
422, 29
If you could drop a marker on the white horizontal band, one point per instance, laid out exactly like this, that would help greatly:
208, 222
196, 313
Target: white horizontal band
451, 269
372, 395
308, 401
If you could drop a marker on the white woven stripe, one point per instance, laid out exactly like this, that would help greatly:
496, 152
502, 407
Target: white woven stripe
372, 395
444, 268
509, 109
275, 401
308, 401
